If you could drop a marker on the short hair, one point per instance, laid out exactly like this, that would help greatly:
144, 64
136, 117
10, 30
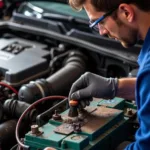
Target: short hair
106, 5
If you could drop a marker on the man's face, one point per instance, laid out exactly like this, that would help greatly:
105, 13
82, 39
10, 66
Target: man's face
113, 27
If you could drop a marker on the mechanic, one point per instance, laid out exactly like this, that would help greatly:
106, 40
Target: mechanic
126, 21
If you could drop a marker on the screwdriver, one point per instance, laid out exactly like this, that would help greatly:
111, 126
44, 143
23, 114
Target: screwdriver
73, 112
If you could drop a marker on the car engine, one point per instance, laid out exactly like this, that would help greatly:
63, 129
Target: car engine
45, 46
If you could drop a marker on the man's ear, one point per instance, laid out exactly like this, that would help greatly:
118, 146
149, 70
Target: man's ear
127, 12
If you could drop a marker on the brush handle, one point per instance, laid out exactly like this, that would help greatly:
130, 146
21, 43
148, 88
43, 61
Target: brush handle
73, 102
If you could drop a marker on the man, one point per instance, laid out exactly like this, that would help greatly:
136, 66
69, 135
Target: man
126, 21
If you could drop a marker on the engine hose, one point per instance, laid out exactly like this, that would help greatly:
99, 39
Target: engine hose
7, 134
58, 83
12, 109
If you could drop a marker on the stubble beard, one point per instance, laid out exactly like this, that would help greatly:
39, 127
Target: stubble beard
129, 38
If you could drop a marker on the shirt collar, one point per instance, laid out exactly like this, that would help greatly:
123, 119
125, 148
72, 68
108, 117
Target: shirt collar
145, 47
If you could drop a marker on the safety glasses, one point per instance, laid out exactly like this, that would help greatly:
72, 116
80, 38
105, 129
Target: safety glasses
94, 24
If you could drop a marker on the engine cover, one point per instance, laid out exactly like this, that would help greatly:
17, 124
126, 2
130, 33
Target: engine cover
22, 60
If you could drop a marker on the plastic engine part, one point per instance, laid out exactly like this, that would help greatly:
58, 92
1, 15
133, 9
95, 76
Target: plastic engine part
22, 61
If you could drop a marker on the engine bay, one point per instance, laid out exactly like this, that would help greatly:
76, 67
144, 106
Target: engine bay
43, 51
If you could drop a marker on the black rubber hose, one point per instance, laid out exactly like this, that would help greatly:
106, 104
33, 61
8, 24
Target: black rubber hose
15, 108
7, 134
58, 83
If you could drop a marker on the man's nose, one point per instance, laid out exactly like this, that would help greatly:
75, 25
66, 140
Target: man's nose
102, 30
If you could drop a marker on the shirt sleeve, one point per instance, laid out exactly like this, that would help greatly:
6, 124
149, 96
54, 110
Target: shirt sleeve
142, 141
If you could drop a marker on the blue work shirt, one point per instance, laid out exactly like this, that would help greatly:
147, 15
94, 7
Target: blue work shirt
142, 93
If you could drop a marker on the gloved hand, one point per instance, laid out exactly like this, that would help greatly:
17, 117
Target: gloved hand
90, 85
